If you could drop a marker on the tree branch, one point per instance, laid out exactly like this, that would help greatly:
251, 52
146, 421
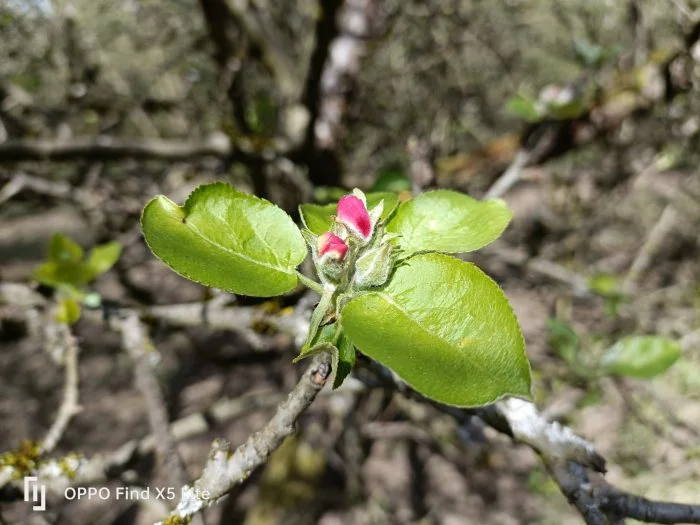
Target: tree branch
140, 349
110, 148
69, 406
224, 470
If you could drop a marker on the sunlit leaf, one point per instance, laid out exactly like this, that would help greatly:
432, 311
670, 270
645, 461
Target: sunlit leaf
643, 356
103, 257
446, 329
67, 311
448, 221
226, 239
523, 108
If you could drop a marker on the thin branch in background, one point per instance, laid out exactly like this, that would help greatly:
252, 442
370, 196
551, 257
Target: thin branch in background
112, 148
224, 470
549, 269
69, 405
141, 350
265, 37
21, 181
650, 248
510, 177
342, 35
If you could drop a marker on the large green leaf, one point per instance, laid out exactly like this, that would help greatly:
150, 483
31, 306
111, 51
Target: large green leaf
319, 218
642, 356
227, 239
448, 221
446, 329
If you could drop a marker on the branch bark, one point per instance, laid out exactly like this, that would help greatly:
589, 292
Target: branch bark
140, 349
69, 406
224, 470
111, 148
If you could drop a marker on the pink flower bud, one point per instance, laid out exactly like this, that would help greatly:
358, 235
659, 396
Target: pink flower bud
331, 246
352, 213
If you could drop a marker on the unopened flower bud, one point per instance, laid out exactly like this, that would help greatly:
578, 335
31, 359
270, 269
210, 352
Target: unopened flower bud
352, 213
330, 246
374, 267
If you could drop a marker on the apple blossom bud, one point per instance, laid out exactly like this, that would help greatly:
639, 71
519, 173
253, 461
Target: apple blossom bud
330, 246
352, 213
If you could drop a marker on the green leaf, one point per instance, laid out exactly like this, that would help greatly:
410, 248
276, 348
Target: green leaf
605, 284
523, 108
103, 257
67, 311
446, 329
319, 218
567, 111
343, 360
562, 339
643, 356
448, 221
65, 266
63, 249
226, 239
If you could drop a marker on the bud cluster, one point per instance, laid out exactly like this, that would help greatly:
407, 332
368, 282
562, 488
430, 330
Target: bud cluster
356, 252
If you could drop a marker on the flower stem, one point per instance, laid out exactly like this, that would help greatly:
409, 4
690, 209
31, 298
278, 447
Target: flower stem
310, 283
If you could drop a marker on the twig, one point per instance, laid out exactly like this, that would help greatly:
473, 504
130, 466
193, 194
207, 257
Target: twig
510, 176
21, 181
551, 439
69, 406
341, 37
140, 349
650, 248
106, 148
268, 40
541, 266
224, 470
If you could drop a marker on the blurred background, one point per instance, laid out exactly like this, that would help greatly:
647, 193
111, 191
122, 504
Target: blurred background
583, 116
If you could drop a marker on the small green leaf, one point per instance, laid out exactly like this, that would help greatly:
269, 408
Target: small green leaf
562, 339
448, 221
523, 108
103, 257
67, 311
65, 266
446, 329
324, 341
567, 111
320, 313
343, 360
642, 356
319, 218
605, 284
63, 249
226, 239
